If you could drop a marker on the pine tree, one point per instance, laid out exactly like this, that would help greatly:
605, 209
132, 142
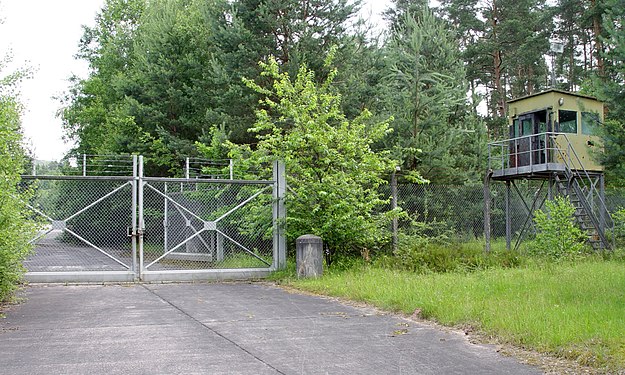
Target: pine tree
427, 96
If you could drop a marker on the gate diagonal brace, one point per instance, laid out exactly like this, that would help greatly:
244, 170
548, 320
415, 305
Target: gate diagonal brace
530, 213
189, 224
58, 224
243, 247
175, 248
97, 248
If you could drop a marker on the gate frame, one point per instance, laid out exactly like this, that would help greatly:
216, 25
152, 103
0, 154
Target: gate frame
137, 271
278, 184
129, 275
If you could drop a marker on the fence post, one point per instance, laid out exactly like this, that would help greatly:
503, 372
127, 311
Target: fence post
394, 205
140, 209
134, 215
165, 220
279, 215
508, 218
487, 210
309, 256
602, 206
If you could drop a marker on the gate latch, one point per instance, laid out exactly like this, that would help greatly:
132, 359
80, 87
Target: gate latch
130, 234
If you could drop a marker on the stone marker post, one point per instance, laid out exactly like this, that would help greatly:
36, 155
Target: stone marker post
309, 256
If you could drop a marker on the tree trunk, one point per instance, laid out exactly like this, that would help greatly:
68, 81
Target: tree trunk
596, 28
501, 97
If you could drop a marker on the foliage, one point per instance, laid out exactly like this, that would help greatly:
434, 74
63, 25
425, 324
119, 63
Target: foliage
503, 43
610, 88
426, 254
557, 235
166, 73
15, 228
619, 227
613, 138
332, 173
434, 130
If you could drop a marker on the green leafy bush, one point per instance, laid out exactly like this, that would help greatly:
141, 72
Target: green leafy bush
333, 173
15, 230
557, 236
619, 227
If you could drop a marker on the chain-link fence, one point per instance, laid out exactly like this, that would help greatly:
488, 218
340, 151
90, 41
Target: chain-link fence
123, 227
207, 224
83, 224
458, 211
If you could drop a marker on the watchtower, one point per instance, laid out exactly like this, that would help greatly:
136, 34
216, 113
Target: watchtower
552, 141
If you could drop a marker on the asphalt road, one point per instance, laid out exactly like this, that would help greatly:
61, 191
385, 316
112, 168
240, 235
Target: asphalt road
224, 328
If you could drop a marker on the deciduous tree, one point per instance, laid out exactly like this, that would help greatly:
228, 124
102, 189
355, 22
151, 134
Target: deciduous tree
332, 172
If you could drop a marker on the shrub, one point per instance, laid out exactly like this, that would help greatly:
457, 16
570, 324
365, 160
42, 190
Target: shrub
619, 227
557, 236
333, 172
15, 230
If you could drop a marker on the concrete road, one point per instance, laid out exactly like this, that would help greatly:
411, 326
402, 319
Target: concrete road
229, 328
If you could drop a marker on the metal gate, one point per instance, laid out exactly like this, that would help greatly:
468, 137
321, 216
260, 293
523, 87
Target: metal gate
136, 228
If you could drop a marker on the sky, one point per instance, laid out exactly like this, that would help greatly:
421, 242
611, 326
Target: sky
44, 35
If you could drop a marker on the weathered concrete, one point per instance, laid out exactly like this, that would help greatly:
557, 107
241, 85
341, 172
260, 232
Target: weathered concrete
230, 328
309, 256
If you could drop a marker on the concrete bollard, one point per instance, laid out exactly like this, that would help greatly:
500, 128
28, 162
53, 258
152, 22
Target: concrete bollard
309, 256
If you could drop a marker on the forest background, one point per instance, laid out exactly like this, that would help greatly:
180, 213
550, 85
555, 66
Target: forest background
166, 76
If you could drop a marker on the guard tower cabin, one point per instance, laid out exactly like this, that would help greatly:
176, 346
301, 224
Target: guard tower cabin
549, 131
553, 139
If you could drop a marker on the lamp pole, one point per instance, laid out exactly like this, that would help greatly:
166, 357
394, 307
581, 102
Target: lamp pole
555, 47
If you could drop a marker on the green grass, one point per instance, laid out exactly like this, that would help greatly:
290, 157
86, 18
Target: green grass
571, 310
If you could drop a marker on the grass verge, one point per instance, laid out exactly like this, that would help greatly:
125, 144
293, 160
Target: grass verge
572, 310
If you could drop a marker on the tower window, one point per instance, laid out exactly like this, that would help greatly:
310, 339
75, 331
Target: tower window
568, 121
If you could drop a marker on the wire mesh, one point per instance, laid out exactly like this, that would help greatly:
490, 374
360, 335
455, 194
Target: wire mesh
458, 211
82, 225
201, 225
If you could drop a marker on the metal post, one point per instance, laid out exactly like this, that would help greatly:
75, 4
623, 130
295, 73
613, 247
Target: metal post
508, 219
231, 164
141, 221
165, 220
279, 215
186, 169
529, 140
550, 189
487, 210
134, 214
220, 247
394, 206
602, 206
84, 164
